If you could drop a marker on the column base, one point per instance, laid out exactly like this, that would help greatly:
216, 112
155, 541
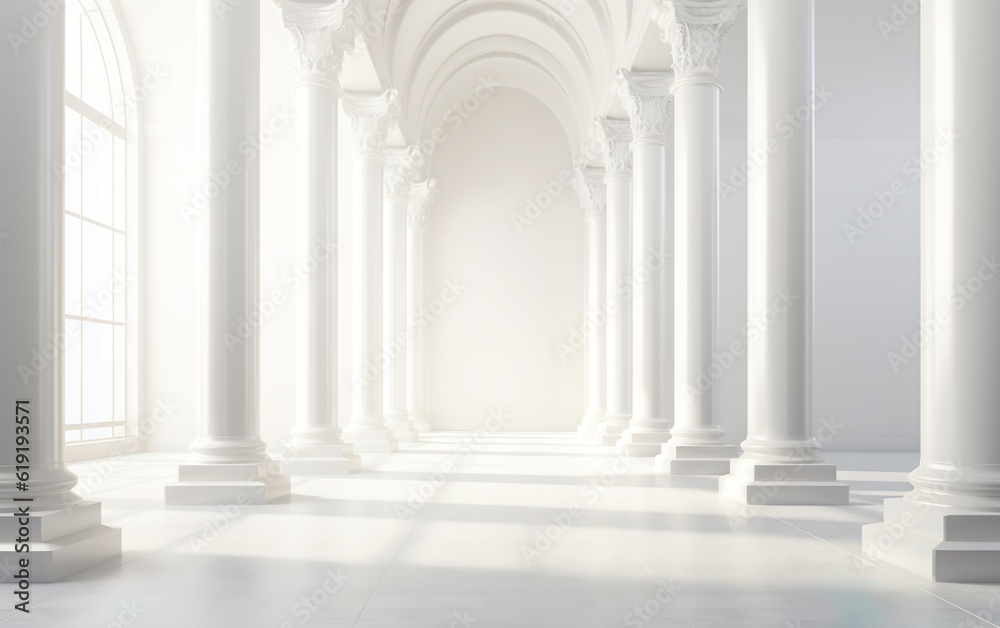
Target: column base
939, 543
420, 423
62, 542
609, 432
642, 443
212, 484
371, 441
333, 459
764, 483
590, 424
403, 429
680, 459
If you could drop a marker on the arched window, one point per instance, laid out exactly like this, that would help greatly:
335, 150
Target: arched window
99, 177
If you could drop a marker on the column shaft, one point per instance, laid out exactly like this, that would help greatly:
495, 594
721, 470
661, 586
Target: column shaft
66, 534
400, 168
592, 193
646, 96
421, 196
317, 447
371, 116
780, 464
228, 443
619, 400
698, 444
948, 528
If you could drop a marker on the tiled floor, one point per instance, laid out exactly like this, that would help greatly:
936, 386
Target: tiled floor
520, 530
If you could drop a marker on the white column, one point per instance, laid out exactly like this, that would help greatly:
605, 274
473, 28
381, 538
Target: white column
781, 463
400, 169
421, 196
228, 461
322, 35
66, 534
371, 116
695, 30
948, 528
647, 100
592, 193
616, 136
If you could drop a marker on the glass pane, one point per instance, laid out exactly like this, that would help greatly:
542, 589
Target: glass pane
72, 436
73, 48
73, 374
119, 183
120, 431
98, 173
120, 278
72, 248
98, 272
96, 92
97, 433
69, 169
120, 379
98, 372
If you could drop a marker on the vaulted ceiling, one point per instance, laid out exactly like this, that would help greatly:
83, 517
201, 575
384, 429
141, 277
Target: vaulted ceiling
565, 52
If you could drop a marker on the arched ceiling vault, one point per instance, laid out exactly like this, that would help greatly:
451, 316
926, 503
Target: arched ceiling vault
438, 53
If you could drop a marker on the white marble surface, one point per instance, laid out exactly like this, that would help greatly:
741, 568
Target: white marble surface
458, 560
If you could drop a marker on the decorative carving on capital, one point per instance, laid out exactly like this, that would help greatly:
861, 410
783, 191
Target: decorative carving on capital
615, 137
421, 196
695, 30
400, 171
647, 100
592, 191
322, 33
371, 115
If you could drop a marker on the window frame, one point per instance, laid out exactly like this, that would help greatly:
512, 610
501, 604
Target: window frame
105, 14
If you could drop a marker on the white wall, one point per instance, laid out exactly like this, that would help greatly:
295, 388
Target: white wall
495, 347
867, 291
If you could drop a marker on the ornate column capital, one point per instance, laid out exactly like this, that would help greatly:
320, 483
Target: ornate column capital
421, 196
615, 136
647, 99
695, 30
400, 171
322, 34
371, 115
592, 191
